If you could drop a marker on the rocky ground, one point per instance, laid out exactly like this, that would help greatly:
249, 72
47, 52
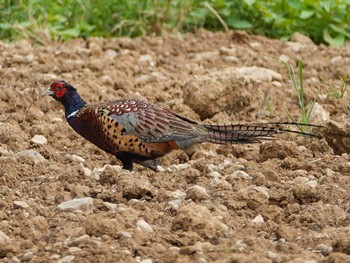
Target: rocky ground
63, 200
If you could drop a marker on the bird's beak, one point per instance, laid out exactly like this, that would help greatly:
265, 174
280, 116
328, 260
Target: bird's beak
48, 92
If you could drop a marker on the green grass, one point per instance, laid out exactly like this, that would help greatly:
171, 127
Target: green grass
325, 21
304, 106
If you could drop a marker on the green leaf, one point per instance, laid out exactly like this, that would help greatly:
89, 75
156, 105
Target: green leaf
339, 30
249, 2
326, 5
238, 23
333, 41
305, 14
70, 32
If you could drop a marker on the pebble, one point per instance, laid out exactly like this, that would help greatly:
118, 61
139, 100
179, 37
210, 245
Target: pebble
147, 260
37, 157
106, 80
20, 204
80, 240
56, 120
28, 256
258, 220
231, 59
319, 114
241, 174
215, 174
66, 259
179, 167
75, 204
110, 206
74, 158
271, 255
160, 168
74, 249
143, 226
110, 54
4, 238
284, 58
235, 167
145, 58
46, 78
174, 204
324, 249
336, 60
39, 139
312, 183
259, 73
178, 194
227, 51
196, 192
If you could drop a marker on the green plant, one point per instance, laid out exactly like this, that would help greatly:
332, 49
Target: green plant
324, 21
305, 107
268, 107
337, 92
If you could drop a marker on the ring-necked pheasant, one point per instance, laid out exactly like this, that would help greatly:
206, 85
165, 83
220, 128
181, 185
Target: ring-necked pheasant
137, 132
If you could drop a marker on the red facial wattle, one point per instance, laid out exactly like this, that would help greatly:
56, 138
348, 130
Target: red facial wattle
60, 93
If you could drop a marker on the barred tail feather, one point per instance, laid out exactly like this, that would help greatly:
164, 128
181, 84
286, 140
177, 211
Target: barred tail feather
250, 133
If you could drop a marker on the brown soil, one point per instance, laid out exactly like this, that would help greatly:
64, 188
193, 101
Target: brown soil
281, 201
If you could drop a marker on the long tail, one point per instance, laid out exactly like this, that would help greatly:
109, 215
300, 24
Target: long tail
251, 133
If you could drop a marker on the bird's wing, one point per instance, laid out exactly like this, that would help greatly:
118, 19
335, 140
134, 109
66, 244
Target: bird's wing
150, 123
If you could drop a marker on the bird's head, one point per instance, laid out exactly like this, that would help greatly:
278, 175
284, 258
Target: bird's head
60, 91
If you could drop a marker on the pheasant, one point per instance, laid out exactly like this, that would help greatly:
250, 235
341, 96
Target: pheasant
135, 131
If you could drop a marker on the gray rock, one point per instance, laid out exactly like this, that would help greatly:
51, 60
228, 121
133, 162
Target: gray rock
319, 114
4, 238
258, 220
32, 153
28, 256
143, 226
110, 54
20, 204
39, 139
259, 73
75, 204
66, 259
196, 192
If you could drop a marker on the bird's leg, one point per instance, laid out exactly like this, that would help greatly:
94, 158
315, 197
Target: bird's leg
151, 164
127, 164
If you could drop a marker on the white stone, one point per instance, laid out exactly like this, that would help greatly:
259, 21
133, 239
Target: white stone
259, 73
145, 58
143, 226
336, 60
111, 54
110, 206
66, 259
56, 120
28, 256
174, 204
178, 194
39, 139
215, 174
75, 158
312, 183
271, 255
319, 114
284, 58
160, 168
75, 204
241, 174
20, 204
196, 192
32, 153
258, 220
4, 238
148, 260
46, 77
74, 250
